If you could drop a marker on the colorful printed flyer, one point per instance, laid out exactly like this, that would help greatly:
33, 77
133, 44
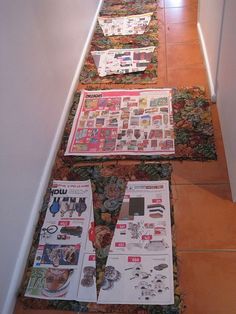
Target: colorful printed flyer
139, 268
123, 122
87, 285
122, 61
125, 25
62, 251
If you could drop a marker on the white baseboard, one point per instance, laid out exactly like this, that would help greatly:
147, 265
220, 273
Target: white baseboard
207, 63
20, 264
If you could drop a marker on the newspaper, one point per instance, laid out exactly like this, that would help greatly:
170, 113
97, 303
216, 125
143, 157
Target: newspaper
122, 61
128, 122
125, 25
63, 251
87, 283
139, 268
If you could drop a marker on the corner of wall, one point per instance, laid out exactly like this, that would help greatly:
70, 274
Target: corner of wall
207, 63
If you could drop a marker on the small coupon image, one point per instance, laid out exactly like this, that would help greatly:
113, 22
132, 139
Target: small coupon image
61, 232
51, 283
67, 207
87, 286
137, 279
57, 255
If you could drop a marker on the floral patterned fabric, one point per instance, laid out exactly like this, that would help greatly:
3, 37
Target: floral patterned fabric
127, 7
89, 72
108, 182
194, 133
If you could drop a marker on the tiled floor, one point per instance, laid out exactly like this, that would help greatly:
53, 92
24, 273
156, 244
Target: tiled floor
204, 214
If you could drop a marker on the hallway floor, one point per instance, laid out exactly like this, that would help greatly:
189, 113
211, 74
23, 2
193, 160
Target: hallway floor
204, 212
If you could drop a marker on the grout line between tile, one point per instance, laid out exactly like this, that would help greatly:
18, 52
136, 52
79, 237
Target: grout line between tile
205, 250
182, 42
193, 23
198, 183
189, 42
181, 6
177, 67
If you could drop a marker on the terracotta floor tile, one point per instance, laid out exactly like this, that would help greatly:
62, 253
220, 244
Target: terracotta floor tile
208, 282
179, 3
183, 54
161, 14
187, 76
162, 65
181, 32
181, 15
162, 82
208, 172
203, 217
189, 172
216, 121
161, 33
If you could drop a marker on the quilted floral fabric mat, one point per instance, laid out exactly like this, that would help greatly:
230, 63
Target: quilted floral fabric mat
194, 132
89, 73
127, 7
107, 182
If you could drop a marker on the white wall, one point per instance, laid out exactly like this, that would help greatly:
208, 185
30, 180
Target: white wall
209, 27
226, 99
41, 43
216, 24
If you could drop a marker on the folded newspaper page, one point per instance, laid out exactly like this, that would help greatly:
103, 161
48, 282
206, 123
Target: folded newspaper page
139, 268
63, 254
123, 122
125, 25
122, 61
87, 282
